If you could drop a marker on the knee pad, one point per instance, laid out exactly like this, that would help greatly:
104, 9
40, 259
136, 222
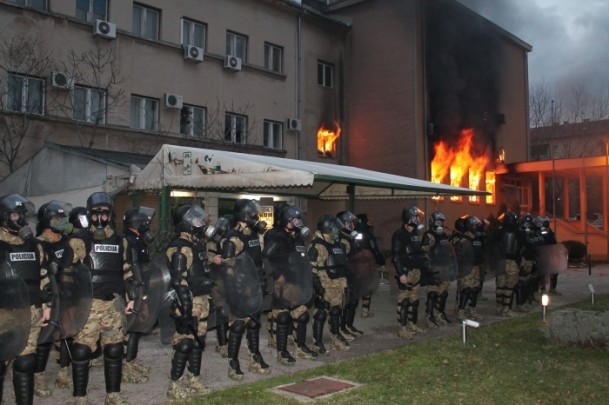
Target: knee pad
253, 325
113, 351
444, 294
304, 318
283, 318
237, 327
320, 316
432, 294
335, 310
25, 364
81, 352
184, 346
199, 346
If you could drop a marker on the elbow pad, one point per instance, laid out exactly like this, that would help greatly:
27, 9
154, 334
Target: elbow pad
178, 263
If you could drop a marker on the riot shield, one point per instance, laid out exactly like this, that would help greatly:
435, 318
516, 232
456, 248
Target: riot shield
47, 332
443, 261
75, 299
153, 279
466, 256
365, 276
551, 259
295, 286
242, 287
14, 314
167, 323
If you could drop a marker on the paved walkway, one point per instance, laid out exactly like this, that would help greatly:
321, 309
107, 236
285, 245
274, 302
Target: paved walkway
380, 334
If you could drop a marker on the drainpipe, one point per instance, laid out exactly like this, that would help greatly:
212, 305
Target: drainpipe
298, 84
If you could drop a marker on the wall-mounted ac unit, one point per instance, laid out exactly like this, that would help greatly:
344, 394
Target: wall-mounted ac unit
193, 53
104, 29
60, 80
171, 100
232, 63
294, 124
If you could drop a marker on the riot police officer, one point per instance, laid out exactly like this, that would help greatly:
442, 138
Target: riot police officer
240, 251
328, 260
21, 252
510, 248
469, 242
192, 284
285, 258
409, 259
51, 230
136, 228
368, 243
549, 238
527, 277
104, 251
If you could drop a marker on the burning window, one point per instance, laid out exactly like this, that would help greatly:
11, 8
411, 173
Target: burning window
459, 165
326, 140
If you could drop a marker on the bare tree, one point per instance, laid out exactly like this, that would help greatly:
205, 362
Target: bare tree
217, 129
24, 62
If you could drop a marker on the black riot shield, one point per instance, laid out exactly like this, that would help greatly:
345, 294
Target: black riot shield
47, 331
295, 285
242, 287
365, 276
75, 299
14, 314
167, 323
443, 262
466, 256
152, 282
551, 259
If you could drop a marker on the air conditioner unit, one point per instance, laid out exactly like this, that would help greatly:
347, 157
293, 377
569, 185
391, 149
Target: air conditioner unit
104, 29
294, 124
172, 100
232, 63
193, 53
61, 80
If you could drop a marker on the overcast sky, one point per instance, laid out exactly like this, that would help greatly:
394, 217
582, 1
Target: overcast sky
570, 38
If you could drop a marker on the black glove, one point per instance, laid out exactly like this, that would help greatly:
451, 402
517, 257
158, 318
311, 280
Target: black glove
48, 297
317, 286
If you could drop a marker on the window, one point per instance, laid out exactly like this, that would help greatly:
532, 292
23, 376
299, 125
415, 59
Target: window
91, 10
236, 45
89, 105
144, 113
273, 134
145, 22
193, 33
273, 57
25, 94
192, 121
235, 128
325, 74
39, 4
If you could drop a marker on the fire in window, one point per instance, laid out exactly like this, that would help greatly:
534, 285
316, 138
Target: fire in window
326, 140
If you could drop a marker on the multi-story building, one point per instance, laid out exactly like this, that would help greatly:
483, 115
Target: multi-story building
387, 80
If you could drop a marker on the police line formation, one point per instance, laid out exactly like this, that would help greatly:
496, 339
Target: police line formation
80, 289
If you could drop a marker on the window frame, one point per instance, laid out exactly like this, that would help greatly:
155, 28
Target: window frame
191, 40
25, 95
270, 129
90, 12
233, 47
88, 108
273, 53
191, 132
233, 131
28, 3
325, 69
142, 113
143, 23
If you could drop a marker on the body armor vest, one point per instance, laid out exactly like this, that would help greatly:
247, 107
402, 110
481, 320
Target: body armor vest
24, 259
140, 246
105, 259
336, 262
511, 245
198, 275
251, 245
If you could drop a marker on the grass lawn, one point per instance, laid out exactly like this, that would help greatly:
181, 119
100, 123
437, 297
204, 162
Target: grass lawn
509, 362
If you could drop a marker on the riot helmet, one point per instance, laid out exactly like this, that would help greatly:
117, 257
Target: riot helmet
412, 217
248, 211
461, 223
291, 217
475, 225
329, 225
543, 223
436, 222
193, 219
223, 224
100, 208
54, 216
14, 211
508, 219
349, 221
526, 222
79, 218
139, 219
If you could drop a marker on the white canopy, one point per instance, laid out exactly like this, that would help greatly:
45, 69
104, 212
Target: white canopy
194, 168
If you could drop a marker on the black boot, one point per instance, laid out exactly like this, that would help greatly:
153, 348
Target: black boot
430, 305
113, 366
257, 365
41, 387
339, 341
303, 350
81, 357
283, 326
195, 356
350, 318
319, 319
23, 379
221, 333
442, 307
132, 346
180, 357
366, 307
234, 344
464, 295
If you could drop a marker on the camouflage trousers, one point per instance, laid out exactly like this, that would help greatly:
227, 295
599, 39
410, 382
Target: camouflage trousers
438, 288
32, 340
411, 290
200, 311
471, 280
335, 289
526, 271
509, 279
105, 321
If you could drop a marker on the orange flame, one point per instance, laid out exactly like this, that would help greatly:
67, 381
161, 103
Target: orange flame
326, 140
457, 163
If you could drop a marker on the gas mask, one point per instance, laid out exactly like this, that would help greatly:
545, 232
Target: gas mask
257, 225
20, 227
99, 222
61, 224
439, 227
205, 231
299, 226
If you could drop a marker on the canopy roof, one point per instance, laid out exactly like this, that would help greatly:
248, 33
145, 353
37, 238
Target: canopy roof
194, 168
